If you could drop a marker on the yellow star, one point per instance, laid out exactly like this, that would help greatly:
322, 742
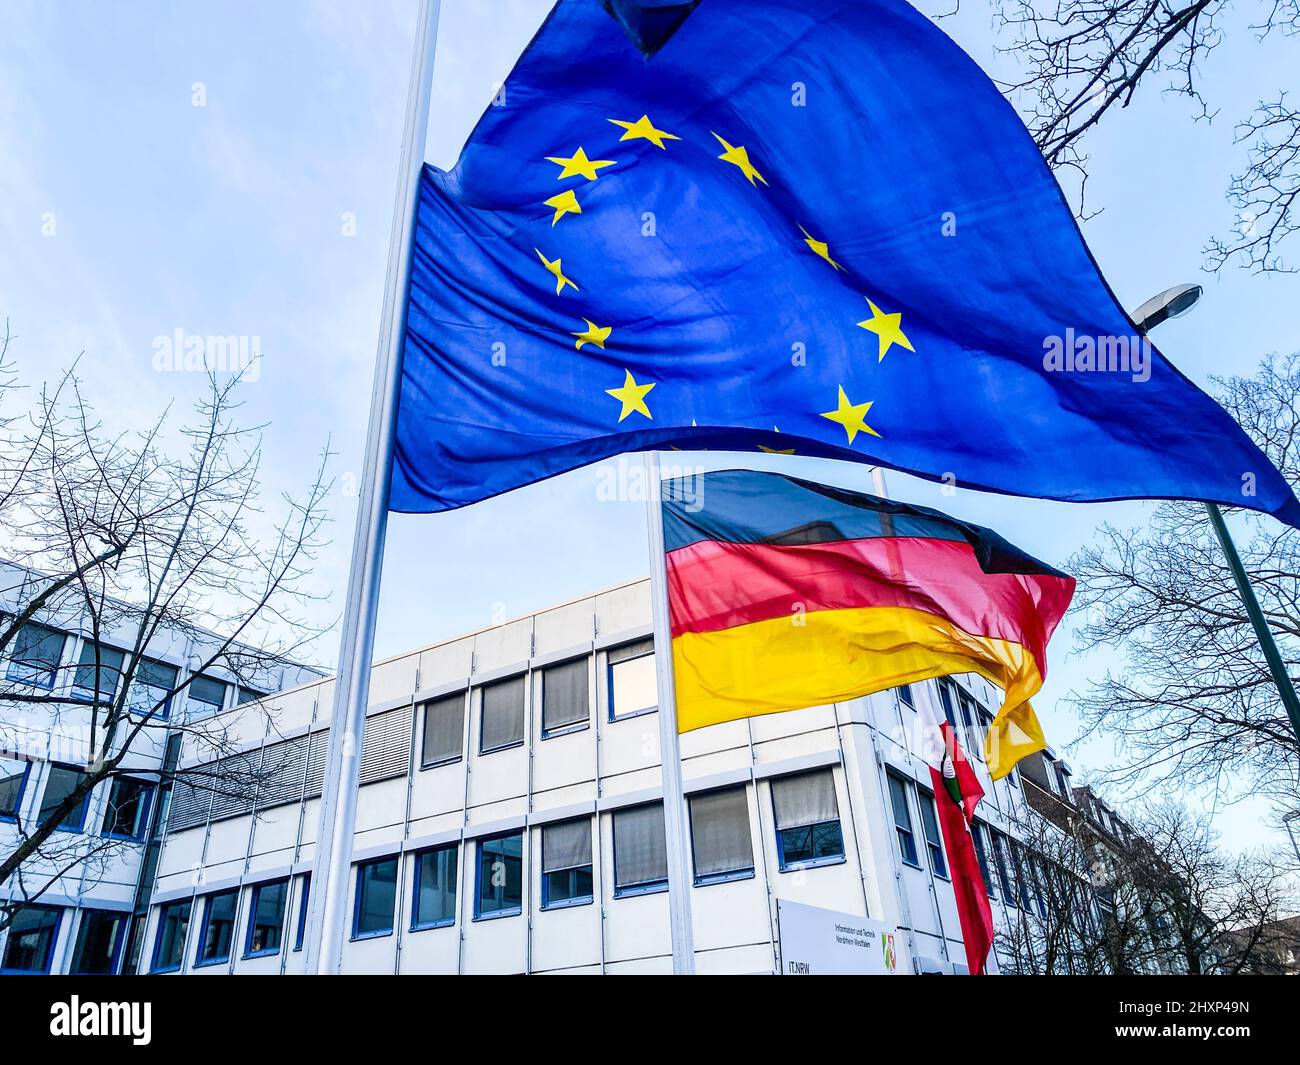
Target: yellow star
739, 157
644, 129
775, 450
820, 247
631, 395
886, 326
594, 335
553, 265
578, 163
851, 415
564, 203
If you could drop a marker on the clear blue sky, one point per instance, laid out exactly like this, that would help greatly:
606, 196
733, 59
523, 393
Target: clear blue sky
229, 218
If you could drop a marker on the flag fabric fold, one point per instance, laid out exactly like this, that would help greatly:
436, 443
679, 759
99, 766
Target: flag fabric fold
805, 226
784, 594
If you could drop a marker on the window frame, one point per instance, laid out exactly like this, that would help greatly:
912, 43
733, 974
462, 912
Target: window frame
978, 830
522, 679
726, 876
12, 663
121, 916
784, 866
209, 709
200, 962
254, 897
80, 826
142, 818
22, 790
420, 856
514, 911
925, 800
82, 694
300, 932
572, 727
463, 694
48, 964
361, 867
572, 901
892, 778
639, 887
609, 679
164, 711
176, 904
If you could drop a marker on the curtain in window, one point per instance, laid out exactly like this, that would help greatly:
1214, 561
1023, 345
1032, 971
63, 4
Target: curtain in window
564, 695
503, 714
640, 852
631, 650
566, 845
720, 832
808, 799
444, 729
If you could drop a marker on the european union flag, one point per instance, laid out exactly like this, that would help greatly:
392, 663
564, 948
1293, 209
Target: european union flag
803, 226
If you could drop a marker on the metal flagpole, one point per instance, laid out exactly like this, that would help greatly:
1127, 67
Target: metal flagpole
338, 807
670, 752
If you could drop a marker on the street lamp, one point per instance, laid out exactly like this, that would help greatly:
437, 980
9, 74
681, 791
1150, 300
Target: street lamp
1171, 303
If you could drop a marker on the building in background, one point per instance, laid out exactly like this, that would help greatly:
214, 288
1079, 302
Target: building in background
90, 886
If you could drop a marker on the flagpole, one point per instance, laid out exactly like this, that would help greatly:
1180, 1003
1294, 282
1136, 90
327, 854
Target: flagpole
338, 805
676, 833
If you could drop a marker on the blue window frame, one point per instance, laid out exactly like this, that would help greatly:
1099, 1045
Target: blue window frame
59, 784
100, 938
32, 935
807, 817
1004, 866
266, 906
933, 839
977, 831
304, 895
152, 688
434, 892
566, 864
720, 843
217, 932
127, 813
946, 698
169, 938
499, 880
376, 897
905, 695
98, 673
903, 820
37, 651
205, 696
13, 785
640, 851
630, 674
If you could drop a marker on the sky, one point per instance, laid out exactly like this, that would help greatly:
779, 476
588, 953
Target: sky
230, 169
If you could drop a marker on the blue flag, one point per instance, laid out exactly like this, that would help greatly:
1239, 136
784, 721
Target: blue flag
799, 226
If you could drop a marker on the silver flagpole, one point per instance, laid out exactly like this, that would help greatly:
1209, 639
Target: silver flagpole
338, 806
670, 753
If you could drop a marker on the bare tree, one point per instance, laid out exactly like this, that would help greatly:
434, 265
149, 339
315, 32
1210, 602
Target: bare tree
1084, 59
134, 539
1194, 700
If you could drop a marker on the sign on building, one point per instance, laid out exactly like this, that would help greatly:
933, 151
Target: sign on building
817, 942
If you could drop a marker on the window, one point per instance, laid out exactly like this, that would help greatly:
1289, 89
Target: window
930, 823
218, 928
37, 651
444, 730
565, 706
970, 719
946, 697
30, 946
633, 688
152, 688
1004, 867
99, 943
435, 888
905, 695
903, 820
720, 840
99, 670
266, 919
376, 897
247, 695
127, 815
977, 830
304, 895
1063, 779
500, 877
13, 782
1021, 874
640, 851
205, 696
566, 864
503, 715
169, 940
807, 820
62, 782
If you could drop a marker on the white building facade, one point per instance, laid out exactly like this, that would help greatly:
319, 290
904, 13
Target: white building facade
510, 818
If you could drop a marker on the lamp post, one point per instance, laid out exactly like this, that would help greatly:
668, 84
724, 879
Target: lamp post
1172, 303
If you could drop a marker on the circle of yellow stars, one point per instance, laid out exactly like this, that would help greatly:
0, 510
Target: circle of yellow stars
631, 395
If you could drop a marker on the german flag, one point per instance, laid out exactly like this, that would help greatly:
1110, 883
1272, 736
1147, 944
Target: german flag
785, 594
